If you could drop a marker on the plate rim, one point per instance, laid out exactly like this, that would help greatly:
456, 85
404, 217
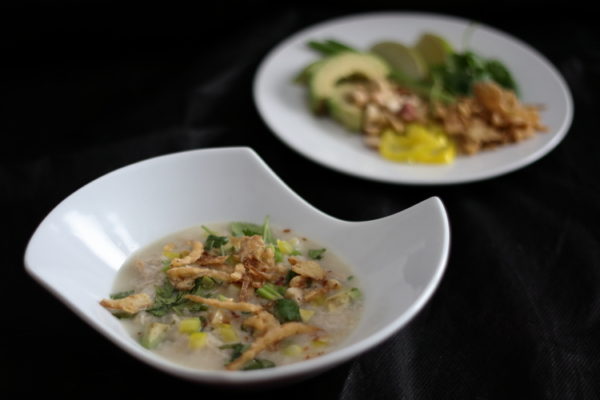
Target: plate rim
519, 163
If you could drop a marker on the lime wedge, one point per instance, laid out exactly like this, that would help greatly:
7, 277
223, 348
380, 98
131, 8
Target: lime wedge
433, 49
402, 58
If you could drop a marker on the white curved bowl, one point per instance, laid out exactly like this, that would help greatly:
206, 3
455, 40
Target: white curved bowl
79, 247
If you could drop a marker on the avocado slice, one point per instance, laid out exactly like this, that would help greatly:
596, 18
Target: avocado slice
343, 65
155, 333
342, 110
303, 76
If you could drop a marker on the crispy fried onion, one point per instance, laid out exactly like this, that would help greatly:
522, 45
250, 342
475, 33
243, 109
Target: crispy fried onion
310, 269
183, 277
195, 254
228, 305
130, 304
261, 322
212, 261
253, 248
491, 117
271, 337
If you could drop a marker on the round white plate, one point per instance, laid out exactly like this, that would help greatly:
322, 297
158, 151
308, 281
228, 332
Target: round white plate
283, 104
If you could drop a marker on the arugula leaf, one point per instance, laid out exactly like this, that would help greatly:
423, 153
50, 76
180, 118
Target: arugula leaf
214, 242
258, 363
121, 295
238, 349
316, 254
287, 310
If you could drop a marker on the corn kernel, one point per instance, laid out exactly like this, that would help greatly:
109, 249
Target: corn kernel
292, 350
306, 315
198, 340
227, 333
190, 325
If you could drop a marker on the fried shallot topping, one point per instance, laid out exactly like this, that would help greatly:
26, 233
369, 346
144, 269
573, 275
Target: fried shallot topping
261, 322
310, 269
270, 338
493, 116
183, 278
130, 304
195, 254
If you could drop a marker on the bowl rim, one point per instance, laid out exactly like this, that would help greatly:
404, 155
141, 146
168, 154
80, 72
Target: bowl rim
234, 378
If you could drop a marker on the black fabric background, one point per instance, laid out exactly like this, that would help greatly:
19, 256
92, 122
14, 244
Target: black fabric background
87, 88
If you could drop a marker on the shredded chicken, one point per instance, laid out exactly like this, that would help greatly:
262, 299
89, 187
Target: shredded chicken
228, 305
271, 337
195, 254
130, 304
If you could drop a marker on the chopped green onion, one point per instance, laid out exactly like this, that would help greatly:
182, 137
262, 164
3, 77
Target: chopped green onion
209, 231
271, 292
355, 293
278, 256
245, 229
121, 295
206, 282
316, 254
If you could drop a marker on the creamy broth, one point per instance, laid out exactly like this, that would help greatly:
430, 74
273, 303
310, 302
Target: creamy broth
322, 301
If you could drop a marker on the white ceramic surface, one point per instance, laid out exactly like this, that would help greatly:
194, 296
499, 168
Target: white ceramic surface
79, 247
283, 104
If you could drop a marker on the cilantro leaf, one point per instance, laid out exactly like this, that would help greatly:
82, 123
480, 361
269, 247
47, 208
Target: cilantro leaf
169, 299
248, 229
214, 242
238, 349
287, 310
245, 229
258, 363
